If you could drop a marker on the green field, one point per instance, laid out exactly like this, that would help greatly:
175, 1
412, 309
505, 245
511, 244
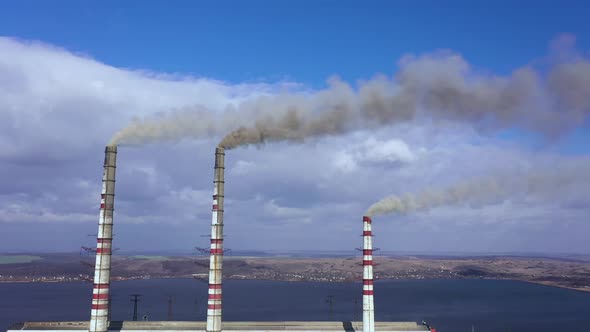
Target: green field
151, 258
14, 259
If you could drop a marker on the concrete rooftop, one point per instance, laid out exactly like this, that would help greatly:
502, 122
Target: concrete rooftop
230, 326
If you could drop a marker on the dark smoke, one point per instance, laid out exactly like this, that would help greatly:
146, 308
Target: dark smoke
434, 86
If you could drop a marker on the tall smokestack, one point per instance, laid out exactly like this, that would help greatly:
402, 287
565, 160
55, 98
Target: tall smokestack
216, 257
99, 315
368, 306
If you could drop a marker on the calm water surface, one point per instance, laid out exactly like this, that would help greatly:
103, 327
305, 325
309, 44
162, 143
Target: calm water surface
449, 305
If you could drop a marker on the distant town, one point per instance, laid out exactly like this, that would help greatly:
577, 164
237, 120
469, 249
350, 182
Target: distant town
569, 272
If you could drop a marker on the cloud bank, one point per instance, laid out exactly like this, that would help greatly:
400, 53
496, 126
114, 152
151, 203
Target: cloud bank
58, 108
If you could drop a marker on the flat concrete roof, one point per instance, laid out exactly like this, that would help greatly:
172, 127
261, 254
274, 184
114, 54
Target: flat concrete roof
173, 326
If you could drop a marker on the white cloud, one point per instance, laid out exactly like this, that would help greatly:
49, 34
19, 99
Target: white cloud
373, 151
243, 167
64, 98
285, 213
345, 162
24, 213
58, 109
391, 151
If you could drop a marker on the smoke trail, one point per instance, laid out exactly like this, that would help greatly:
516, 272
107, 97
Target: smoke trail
436, 86
492, 190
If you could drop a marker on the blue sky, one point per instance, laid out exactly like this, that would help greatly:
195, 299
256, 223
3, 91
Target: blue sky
100, 64
306, 41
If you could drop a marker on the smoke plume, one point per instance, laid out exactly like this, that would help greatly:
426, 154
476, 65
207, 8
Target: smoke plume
432, 86
543, 185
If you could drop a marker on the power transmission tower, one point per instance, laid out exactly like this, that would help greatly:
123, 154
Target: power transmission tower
170, 307
135, 299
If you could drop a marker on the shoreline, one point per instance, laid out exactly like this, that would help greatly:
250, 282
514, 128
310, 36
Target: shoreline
552, 284
544, 283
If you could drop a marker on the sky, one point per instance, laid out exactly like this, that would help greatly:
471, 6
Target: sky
72, 74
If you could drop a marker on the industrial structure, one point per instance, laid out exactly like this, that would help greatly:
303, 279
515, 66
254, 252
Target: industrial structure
368, 305
216, 260
100, 309
168, 326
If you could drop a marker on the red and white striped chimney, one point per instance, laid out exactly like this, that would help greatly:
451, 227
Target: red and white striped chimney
216, 254
368, 306
99, 314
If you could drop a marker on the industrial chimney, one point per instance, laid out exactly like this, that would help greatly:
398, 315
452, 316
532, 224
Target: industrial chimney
368, 306
216, 254
99, 314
